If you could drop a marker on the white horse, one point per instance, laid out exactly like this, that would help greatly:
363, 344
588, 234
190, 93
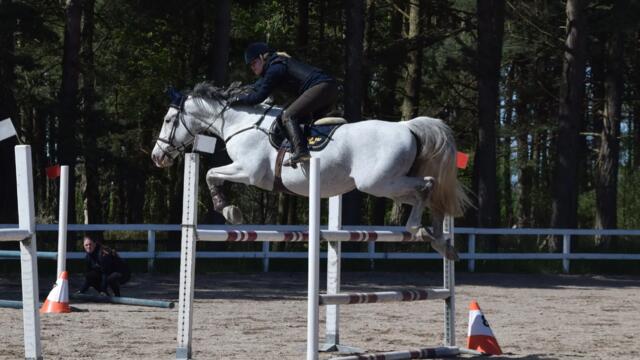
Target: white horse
411, 162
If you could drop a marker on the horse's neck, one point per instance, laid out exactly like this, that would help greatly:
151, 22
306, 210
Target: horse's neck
235, 121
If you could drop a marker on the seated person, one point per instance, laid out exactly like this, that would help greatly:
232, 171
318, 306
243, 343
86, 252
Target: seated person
104, 268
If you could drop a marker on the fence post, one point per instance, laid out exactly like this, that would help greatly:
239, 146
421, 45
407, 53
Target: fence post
313, 296
151, 250
371, 249
449, 283
265, 256
62, 219
566, 250
472, 253
187, 255
28, 254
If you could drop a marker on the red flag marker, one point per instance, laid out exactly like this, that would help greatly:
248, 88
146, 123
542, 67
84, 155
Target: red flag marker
461, 160
53, 171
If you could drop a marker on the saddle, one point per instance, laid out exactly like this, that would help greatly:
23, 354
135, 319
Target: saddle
318, 134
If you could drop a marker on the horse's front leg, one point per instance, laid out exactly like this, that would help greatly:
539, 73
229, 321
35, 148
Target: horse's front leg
215, 179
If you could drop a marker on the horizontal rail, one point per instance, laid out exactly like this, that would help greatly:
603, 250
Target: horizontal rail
14, 234
303, 236
383, 296
458, 230
425, 353
14, 254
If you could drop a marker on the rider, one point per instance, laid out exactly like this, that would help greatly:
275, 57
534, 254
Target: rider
315, 91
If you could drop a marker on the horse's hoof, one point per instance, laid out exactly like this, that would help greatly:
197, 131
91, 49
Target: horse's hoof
232, 214
429, 183
439, 244
446, 250
415, 230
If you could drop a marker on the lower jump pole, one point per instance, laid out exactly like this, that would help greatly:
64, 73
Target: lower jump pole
123, 300
15, 254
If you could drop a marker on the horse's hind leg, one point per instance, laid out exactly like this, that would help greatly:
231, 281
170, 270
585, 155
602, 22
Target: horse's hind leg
437, 238
404, 189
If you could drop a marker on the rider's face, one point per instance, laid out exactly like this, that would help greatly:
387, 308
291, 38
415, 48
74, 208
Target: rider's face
256, 65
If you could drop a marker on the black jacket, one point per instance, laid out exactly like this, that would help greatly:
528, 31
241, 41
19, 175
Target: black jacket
284, 73
105, 261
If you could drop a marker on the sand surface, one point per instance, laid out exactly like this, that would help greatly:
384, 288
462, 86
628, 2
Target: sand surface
263, 316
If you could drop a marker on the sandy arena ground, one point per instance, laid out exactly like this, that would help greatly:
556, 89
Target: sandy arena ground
263, 316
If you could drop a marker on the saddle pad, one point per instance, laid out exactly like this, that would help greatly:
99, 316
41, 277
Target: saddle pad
318, 137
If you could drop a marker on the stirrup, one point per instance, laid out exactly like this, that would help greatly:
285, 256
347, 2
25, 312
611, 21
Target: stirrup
294, 160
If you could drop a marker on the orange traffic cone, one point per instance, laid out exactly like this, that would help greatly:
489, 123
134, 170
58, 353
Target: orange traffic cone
480, 336
58, 299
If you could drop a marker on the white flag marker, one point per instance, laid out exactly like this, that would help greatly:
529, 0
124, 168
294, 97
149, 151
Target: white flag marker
6, 129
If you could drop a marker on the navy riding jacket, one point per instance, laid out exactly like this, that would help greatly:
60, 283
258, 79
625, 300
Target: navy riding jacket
284, 73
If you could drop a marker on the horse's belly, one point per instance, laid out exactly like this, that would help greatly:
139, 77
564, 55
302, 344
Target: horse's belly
334, 180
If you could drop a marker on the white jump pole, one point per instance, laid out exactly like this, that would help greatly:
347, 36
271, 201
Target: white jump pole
62, 219
313, 260
28, 253
449, 283
188, 255
332, 333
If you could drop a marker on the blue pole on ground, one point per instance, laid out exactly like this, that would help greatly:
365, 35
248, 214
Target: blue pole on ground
123, 300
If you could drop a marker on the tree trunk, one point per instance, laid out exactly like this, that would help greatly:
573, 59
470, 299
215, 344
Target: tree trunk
302, 28
388, 106
506, 148
490, 34
220, 46
411, 99
524, 157
91, 190
69, 98
8, 109
636, 137
565, 183
353, 93
606, 178
411, 93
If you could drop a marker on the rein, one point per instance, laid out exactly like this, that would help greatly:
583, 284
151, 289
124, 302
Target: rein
255, 125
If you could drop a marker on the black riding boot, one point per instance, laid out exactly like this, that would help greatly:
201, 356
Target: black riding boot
298, 142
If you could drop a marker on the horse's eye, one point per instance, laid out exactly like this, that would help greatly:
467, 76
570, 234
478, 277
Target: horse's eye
167, 120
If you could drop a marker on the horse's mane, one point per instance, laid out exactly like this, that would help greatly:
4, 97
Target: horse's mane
208, 91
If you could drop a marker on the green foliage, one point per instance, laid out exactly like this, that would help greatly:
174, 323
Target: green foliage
142, 46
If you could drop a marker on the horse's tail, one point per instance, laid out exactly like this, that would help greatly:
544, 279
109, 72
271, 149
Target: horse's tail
436, 157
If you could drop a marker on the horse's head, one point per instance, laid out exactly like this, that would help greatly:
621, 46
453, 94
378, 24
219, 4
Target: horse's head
175, 135
203, 110
188, 115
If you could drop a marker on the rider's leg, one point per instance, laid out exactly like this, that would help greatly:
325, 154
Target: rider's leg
315, 101
297, 139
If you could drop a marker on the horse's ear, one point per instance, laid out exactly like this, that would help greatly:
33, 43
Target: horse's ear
175, 96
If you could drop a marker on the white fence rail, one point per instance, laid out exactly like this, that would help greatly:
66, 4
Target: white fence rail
371, 254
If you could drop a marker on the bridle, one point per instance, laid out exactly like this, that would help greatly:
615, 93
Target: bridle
172, 151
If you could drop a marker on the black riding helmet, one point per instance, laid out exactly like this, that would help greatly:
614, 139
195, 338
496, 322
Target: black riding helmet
254, 50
